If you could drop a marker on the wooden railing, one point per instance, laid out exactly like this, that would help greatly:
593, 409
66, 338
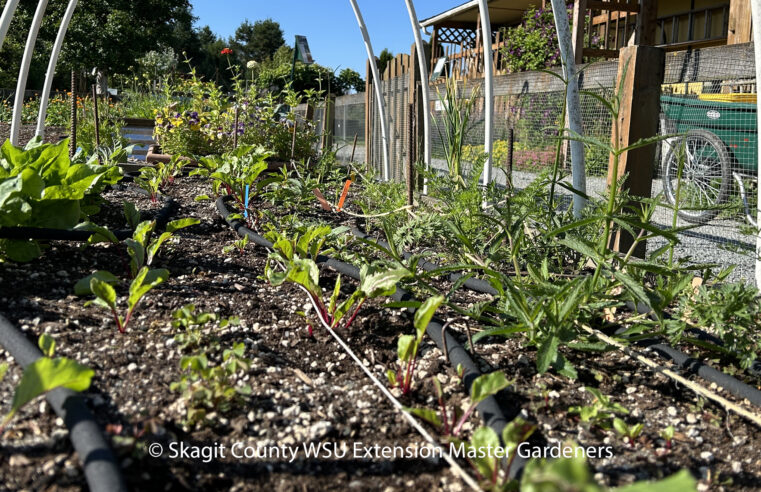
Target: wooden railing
694, 27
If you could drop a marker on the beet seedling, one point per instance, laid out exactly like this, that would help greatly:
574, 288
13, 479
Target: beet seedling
100, 284
46, 374
629, 432
293, 261
408, 345
667, 435
239, 244
484, 386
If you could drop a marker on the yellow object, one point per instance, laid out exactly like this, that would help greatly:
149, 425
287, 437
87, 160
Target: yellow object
736, 97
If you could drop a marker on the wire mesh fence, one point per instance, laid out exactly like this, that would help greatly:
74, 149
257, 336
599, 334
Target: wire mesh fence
707, 102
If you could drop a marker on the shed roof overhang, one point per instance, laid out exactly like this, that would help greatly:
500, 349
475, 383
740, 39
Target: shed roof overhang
501, 12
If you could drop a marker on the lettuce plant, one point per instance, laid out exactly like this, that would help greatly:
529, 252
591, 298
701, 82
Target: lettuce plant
41, 187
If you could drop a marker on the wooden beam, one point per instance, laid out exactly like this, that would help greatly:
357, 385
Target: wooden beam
640, 73
577, 35
740, 30
647, 22
599, 53
613, 6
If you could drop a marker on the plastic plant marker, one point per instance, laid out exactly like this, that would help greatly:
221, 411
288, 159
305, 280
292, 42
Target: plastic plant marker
245, 205
343, 195
322, 200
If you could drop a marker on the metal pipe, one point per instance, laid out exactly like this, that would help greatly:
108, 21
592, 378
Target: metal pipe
5, 19
45, 96
377, 85
424, 86
755, 6
573, 104
26, 61
488, 88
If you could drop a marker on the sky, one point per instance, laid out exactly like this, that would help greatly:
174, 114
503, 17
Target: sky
329, 25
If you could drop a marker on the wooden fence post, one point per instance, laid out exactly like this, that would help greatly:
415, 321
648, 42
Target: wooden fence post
641, 68
328, 123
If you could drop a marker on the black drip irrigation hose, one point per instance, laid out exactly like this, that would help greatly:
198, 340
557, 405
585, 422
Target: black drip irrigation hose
102, 472
45, 234
489, 409
685, 362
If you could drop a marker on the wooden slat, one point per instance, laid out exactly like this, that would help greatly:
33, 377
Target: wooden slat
739, 22
613, 6
595, 52
577, 34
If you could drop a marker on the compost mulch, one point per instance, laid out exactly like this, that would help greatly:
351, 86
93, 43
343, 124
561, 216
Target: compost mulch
306, 389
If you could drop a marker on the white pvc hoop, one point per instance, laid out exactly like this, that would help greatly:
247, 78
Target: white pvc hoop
26, 61
377, 86
51, 67
5, 19
488, 88
573, 104
424, 85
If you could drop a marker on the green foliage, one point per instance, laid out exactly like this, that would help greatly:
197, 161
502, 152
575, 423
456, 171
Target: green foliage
407, 345
105, 294
44, 375
455, 126
532, 45
601, 411
258, 41
731, 311
211, 390
235, 170
41, 187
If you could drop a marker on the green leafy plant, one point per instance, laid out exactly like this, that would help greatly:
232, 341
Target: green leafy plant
293, 260
408, 345
601, 411
235, 171
667, 435
192, 324
212, 390
238, 244
484, 386
41, 187
44, 375
456, 124
100, 285
630, 432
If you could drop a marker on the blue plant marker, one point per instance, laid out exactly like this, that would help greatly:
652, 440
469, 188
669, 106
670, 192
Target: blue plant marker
245, 208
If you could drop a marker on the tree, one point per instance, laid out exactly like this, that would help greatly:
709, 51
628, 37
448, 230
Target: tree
349, 80
385, 57
258, 41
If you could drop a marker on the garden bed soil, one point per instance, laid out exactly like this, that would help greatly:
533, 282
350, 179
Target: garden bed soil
306, 388
53, 134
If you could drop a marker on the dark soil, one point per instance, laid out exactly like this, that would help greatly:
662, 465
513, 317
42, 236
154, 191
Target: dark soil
306, 389
53, 134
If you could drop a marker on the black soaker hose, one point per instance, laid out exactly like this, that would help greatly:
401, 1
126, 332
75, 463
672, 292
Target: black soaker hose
685, 362
45, 234
489, 408
102, 472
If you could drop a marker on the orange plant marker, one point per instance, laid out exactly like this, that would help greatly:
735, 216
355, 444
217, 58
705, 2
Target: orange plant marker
322, 200
343, 195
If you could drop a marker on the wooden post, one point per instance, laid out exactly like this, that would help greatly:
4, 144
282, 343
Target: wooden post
95, 114
415, 98
368, 113
642, 69
411, 155
740, 30
328, 122
647, 21
577, 35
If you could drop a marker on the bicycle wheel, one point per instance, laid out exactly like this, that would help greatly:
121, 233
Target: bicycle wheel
705, 175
